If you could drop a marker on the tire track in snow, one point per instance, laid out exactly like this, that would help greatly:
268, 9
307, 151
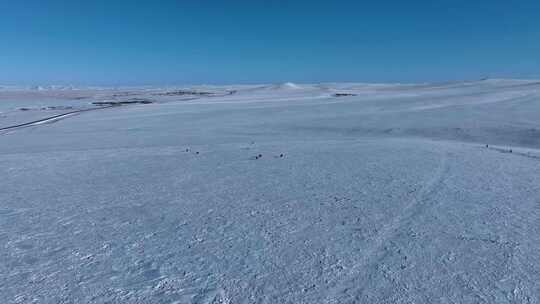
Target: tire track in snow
390, 230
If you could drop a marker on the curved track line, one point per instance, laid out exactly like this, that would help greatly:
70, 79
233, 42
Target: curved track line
389, 230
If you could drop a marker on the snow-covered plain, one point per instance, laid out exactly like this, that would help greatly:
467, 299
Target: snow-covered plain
272, 194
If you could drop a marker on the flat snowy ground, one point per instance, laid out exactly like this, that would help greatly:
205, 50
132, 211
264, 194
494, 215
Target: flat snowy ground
388, 196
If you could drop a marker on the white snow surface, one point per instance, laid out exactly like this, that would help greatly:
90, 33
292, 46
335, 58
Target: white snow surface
272, 194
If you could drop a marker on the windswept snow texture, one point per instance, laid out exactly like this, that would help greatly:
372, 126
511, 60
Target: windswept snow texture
273, 194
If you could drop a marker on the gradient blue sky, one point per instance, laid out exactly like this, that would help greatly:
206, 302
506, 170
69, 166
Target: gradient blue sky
185, 42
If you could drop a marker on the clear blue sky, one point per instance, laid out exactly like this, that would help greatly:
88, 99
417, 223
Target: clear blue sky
198, 41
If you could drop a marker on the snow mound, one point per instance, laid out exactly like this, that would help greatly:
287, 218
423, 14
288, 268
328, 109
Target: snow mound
285, 86
290, 85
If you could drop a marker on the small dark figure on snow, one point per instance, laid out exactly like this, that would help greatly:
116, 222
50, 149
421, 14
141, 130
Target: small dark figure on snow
281, 155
